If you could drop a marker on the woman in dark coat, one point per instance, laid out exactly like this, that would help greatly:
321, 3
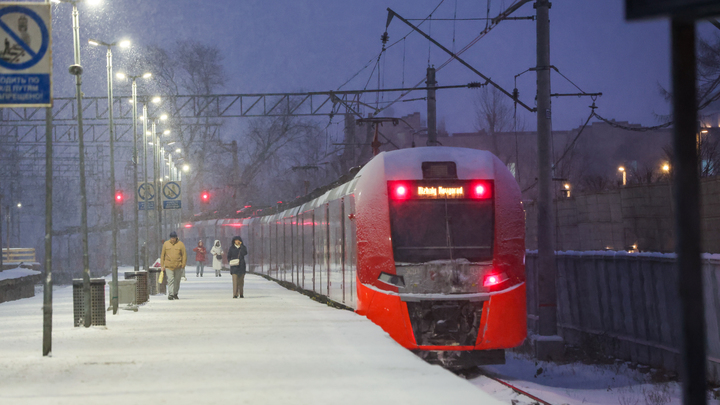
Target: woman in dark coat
237, 251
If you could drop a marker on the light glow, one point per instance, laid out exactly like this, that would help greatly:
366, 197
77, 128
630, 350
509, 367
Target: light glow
156, 99
147, 75
186, 168
178, 150
121, 76
93, 42
19, 205
166, 132
124, 43
164, 117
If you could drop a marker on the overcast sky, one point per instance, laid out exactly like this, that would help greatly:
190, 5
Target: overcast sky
297, 45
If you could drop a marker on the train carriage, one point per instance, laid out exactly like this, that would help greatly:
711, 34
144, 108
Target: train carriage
428, 243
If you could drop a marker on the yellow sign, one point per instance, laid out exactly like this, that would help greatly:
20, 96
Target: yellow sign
441, 192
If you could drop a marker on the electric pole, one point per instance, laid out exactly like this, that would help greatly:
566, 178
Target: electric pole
431, 107
550, 345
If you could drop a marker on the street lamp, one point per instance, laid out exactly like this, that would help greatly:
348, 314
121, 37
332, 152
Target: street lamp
136, 215
77, 70
666, 168
624, 174
113, 206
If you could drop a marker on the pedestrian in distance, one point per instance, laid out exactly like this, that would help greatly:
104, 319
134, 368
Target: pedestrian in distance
173, 259
217, 254
236, 259
199, 259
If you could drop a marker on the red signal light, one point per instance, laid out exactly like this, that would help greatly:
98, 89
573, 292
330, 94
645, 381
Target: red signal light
400, 191
119, 198
205, 197
480, 191
494, 279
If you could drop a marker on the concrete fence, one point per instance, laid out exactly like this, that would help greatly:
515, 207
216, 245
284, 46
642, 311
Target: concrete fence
627, 305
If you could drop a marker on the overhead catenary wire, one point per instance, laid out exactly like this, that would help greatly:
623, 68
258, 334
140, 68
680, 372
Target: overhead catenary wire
494, 22
389, 46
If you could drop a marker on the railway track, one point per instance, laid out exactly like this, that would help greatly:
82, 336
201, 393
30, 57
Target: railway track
522, 397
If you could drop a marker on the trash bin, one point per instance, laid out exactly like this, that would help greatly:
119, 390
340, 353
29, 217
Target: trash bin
153, 274
141, 287
162, 287
126, 291
97, 302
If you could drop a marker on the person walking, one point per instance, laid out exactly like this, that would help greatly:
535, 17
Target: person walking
236, 259
173, 258
199, 259
217, 253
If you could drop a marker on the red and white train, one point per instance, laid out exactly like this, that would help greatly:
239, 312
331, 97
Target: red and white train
428, 243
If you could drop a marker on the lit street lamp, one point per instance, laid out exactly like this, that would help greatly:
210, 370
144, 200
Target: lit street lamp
134, 78
113, 206
624, 173
77, 70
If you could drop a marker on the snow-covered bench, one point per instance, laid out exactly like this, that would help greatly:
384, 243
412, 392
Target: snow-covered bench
18, 283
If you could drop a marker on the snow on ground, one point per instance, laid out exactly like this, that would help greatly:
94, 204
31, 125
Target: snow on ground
17, 272
273, 347
578, 383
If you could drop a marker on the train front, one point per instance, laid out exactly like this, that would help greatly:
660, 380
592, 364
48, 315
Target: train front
441, 245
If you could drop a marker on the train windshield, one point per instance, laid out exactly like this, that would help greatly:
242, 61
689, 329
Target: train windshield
442, 229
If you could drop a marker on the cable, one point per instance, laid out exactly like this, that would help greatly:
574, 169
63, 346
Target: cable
454, 24
636, 129
391, 45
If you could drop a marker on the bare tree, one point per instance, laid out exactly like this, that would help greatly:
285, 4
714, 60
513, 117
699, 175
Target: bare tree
493, 114
190, 68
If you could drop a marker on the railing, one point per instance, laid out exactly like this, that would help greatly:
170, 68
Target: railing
627, 305
17, 255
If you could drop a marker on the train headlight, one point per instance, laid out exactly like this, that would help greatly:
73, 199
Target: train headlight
494, 279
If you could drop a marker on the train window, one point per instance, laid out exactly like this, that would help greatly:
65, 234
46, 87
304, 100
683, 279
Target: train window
443, 229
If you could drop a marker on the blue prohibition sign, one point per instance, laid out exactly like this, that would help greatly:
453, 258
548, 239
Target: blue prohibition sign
169, 190
35, 57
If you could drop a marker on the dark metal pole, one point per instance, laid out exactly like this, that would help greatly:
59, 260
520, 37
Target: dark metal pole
113, 209
147, 201
158, 186
1, 238
687, 215
431, 107
136, 214
47, 291
546, 270
83, 194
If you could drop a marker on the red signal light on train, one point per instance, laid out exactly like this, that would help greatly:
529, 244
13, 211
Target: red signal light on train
494, 279
480, 190
401, 192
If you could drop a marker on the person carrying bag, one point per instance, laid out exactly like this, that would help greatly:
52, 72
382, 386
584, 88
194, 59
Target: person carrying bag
217, 253
236, 260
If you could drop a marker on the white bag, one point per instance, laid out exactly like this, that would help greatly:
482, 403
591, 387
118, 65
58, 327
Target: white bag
234, 262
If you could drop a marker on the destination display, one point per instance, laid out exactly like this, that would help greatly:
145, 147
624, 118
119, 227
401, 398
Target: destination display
436, 190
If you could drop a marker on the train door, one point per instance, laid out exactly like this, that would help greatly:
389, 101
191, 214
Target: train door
308, 252
335, 250
320, 235
350, 250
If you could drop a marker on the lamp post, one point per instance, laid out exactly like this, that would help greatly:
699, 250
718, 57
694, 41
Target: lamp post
77, 70
156, 174
624, 174
136, 218
113, 205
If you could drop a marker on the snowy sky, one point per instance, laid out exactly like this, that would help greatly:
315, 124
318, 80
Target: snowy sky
296, 45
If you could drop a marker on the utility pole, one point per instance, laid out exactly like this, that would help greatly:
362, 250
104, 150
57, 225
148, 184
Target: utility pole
431, 107
47, 290
550, 345
1, 240
147, 201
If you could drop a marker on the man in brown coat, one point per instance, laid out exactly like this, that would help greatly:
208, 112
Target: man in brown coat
173, 258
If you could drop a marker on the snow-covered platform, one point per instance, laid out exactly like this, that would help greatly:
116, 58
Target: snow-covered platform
275, 346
